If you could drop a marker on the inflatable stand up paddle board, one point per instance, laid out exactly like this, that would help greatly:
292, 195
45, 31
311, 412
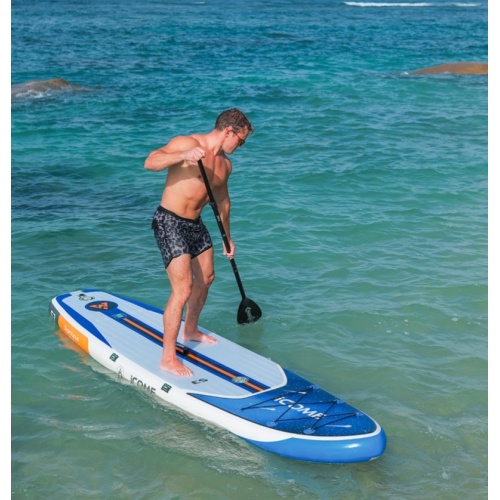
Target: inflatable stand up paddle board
231, 386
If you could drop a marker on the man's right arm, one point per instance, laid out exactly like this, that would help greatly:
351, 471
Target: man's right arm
178, 150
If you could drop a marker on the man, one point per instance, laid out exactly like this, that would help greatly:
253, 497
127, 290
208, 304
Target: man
183, 239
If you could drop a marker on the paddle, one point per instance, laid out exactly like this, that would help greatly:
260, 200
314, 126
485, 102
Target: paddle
248, 311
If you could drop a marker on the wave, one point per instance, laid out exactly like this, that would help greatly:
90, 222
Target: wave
409, 4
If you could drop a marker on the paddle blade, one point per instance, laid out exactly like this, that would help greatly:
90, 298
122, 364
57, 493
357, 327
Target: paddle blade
248, 312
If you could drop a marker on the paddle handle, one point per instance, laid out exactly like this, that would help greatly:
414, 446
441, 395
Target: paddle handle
225, 239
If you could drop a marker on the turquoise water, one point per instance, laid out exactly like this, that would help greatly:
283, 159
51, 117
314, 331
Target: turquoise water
359, 211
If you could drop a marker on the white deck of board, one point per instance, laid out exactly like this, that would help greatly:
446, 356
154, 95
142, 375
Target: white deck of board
147, 354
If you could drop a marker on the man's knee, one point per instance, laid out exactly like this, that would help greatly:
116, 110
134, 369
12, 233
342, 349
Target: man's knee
207, 279
211, 278
182, 292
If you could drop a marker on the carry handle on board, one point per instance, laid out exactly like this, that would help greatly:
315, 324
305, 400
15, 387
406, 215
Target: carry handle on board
248, 310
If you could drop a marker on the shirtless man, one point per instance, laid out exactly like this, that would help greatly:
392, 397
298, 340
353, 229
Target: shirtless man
183, 239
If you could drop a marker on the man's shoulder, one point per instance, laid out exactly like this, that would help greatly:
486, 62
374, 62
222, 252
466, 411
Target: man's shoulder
185, 141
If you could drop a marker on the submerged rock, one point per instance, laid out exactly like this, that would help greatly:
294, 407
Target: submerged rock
39, 86
460, 68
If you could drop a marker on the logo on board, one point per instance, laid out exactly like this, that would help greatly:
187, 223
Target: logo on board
101, 305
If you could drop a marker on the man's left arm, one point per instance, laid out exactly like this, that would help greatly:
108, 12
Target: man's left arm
223, 202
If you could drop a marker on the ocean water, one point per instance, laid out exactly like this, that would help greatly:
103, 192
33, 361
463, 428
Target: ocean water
359, 211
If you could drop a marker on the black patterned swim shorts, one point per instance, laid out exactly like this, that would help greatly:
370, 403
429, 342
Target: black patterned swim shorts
177, 236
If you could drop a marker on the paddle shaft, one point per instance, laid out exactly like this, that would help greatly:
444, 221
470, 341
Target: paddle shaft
225, 239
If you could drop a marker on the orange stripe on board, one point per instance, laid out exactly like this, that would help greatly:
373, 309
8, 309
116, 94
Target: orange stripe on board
145, 330
207, 363
75, 335
220, 370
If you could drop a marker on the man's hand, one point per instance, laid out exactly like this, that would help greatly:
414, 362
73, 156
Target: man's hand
191, 156
229, 255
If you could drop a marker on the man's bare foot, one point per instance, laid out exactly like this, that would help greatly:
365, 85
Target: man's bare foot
199, 337
176, 368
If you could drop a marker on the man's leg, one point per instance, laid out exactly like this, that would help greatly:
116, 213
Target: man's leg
203, 276
181, 280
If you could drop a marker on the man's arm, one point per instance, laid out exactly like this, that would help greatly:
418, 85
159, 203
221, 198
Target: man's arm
224, 207
221, 196
179, 150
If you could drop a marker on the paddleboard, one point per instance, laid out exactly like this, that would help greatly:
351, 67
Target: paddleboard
233, 387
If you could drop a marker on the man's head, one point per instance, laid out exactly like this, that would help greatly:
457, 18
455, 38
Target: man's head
235, 127
235, 119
